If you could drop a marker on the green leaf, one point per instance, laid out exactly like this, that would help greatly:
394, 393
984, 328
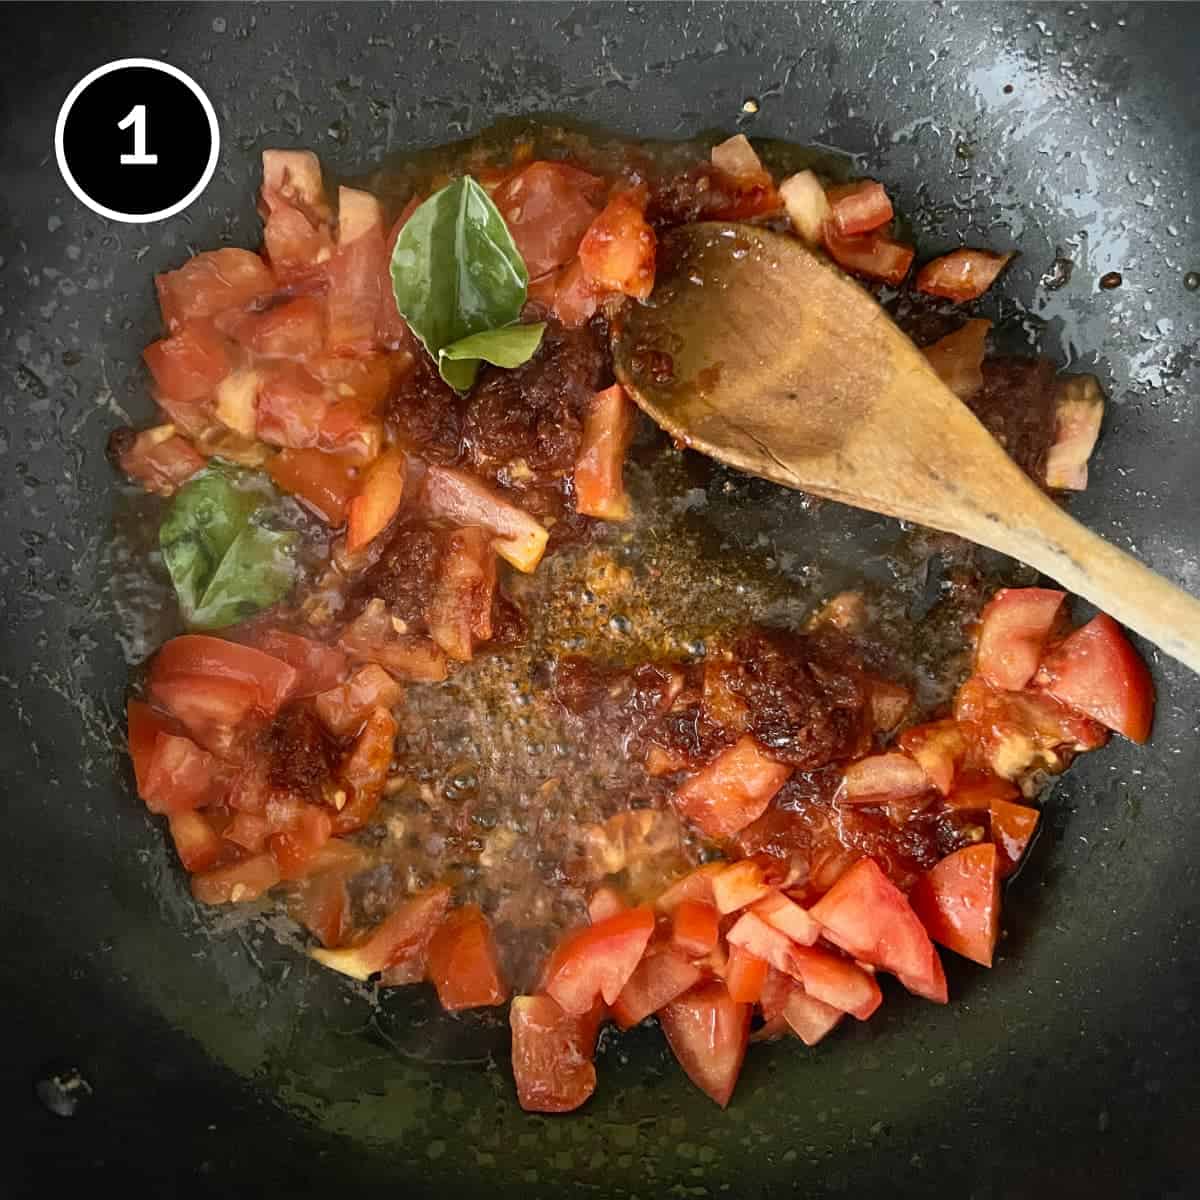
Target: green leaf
224, 563
456, 271
507, 347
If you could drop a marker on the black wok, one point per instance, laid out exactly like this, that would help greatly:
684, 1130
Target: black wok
224, 1063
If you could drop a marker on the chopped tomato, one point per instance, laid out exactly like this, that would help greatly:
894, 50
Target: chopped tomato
694, 928
867, 915
873, 255
889, 703
695, 885
745, 974
1097, 671
237, 883
958, 901
401, 940
358, 274
365, 379
745, 881
837, 982
810, 1019
292, 407
144, 724
618, 251
608, 428
365, 770
293, 329
776, 988
764, 941
1013, 630
938, 747
324, 482
458, 497
297, 234
181, 776
806, 204
211, 684
371, 637
188, 365
197, 843
296, 848
552, 1054
957, 359
708, 1034
323, 908
352, 431
249, 830
460, 610
859, 208
159, 459
961, 275
318, 667
576, 297
605, 902
664, 762
211, 283
1078, 414
662, 976
597, 961
548, 207
377, 501
235, 404
1012, 828
463, 964
1021, 731
344, 708
977, 791
883, 777
788, 917
737, 157
732, 790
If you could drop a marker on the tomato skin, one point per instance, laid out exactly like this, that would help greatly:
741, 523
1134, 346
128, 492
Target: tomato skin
608, 427
324, 482
1013, 630
180, 777
694, 928
548, 208
597, 961
211, 283
343, 709
552, 1054
873, 255
1098, 672
663, 975
961, 275
617, 253
708, 1034
188, 365
764, 941
1012, 827
318, 667
938, 748
745, 974
958, 901
377, 500
788, 917
837, 982
237, 883
868, 916
732, 790
463, 964
859, 208
196, 842
364, 770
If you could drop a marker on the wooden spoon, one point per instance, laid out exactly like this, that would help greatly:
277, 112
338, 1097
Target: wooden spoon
764, 355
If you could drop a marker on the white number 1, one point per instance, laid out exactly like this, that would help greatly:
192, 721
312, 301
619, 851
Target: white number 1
139, 158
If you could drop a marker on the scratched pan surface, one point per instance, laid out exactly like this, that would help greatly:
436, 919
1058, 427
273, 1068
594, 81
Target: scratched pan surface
220, 1062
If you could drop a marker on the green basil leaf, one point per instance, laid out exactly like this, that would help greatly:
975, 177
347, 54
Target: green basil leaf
456, 270
225, 565
507, 347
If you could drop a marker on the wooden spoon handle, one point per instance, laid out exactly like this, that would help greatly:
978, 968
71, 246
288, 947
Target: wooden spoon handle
1041, 534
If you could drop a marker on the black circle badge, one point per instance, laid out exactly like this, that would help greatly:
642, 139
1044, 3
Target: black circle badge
137, 140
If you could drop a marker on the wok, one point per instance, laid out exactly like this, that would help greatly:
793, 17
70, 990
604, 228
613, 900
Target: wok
219, 1061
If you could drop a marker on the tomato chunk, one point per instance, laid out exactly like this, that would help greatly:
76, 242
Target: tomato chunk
737, 157
694, 928
745, 974
938, 748
873, 255
764, 941
365, 770
575, 296
144, 724
1078, 414
402, 940
323, 908
237, 883
293, 329
552, 1054
708, 1034
732, 790
460, 611
188, 365
211, 283
296, 847
957, 359
292, 407
958, 902
343, 709
1013, 630
318, 667
297, 235
1013, 826
603, 903
743, 882
463, 964
961, 275
788, 917
695, 885
548, 208
607, 430
868, 916
977, 791
618, 251
181, 776
883, 777
859, 207
358, 274
810, 1019
806, 204
196, 841
159, 459
377, 501
1097, 671
662, 976
597, 961
324, 482
836, 981
372, 638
